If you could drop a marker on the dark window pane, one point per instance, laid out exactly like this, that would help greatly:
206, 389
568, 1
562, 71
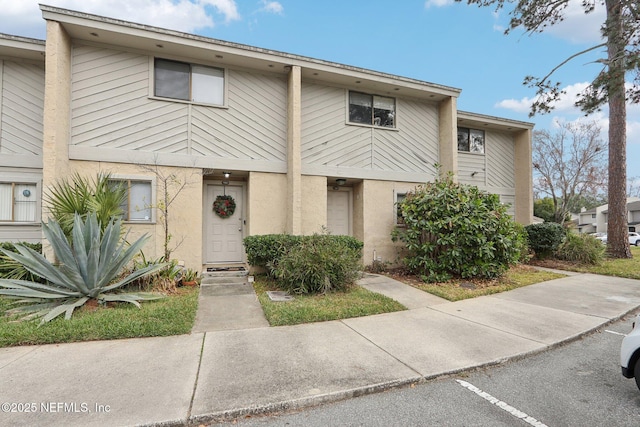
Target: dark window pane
463, 139
360, 108
384, 111
172, 79
476, 141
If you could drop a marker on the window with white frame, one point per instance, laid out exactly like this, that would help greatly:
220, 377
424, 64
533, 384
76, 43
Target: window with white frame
399, 198
188, 82
471, 140
18, 202
138, 203
372, 110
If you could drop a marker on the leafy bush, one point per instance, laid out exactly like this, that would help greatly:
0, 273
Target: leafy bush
319, 264
581, 248
263, 250
164, 279
11, 269
267, 250
457, 230
545, 238
87, 270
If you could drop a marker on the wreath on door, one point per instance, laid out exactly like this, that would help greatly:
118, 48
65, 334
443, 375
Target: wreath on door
224, 206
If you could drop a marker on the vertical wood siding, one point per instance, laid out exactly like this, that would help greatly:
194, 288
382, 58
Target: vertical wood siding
111, 108
22, 108
253, 127
500, 151
469, 163
328, 141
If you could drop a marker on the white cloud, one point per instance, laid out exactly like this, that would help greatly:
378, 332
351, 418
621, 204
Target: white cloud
580, 27
566, 104
272, 7
565, 110
227, 8
438, 3
25, 19
576, 27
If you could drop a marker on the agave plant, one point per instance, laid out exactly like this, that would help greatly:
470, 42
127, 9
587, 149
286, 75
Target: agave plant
87, 269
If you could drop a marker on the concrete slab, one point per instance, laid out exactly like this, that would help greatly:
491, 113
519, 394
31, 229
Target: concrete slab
230, 312
265, 368
434, 343
606, 297
406, 295
542, 324
103, 383
11, 355
243, 288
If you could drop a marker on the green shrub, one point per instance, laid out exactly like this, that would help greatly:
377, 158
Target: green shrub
581, 248
319, 264
545, 238
11, 269
79, 195
267, 250
457, 230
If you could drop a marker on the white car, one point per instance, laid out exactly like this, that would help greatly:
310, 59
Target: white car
630, 353
634, 238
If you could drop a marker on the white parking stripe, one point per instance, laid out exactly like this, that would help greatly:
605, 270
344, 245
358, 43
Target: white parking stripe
500, 404
615, 333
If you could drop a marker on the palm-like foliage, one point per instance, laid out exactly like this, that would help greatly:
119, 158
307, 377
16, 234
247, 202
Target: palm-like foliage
87, 270
79, 195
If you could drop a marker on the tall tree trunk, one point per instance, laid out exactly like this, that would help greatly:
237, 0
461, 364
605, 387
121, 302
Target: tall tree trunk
617, 228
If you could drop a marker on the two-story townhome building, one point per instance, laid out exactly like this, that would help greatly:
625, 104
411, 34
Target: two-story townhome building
596, 220
300, 144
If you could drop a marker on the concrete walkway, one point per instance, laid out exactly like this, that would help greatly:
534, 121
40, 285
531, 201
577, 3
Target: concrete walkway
211, 375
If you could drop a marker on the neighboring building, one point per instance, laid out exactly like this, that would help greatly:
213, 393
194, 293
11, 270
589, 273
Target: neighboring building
21, 108
595, 220
307, 143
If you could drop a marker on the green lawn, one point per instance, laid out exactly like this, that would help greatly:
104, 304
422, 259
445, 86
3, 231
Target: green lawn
317, 308
455, 290
173, 315
628, 268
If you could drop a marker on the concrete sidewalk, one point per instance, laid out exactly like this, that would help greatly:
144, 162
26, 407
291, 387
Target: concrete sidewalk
211, 375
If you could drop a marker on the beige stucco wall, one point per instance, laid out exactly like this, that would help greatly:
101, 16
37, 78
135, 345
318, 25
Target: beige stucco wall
448, 137
314, 204
185, 211
375, 217
266, 203
523, 177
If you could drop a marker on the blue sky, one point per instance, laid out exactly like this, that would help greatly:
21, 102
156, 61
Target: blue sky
432, 40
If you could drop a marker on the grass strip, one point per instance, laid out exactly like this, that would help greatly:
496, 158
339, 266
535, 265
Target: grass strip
173, 315
356, 302
456, 290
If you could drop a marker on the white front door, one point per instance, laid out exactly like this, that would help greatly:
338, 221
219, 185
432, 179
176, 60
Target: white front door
223, 236
339, 212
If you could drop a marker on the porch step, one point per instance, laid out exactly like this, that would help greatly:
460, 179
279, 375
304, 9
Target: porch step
224, 275
223, 280
218, 289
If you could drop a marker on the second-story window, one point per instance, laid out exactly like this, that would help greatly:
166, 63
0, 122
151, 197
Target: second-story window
471, 140
189, 82
372, 110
